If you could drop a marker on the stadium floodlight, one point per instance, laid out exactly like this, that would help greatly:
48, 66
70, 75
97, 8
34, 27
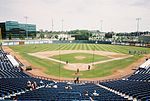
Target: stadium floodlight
62, 25
26, 19
138, 21
101, 21
52, 25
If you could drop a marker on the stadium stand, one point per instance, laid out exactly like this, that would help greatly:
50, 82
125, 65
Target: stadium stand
142, 73
13, 86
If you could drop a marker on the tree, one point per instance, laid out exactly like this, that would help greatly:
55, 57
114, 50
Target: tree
22, 37
41, 35
56, 36
33, 36
10, 36
81, 34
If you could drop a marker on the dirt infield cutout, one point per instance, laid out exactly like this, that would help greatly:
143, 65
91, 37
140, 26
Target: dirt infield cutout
81, 66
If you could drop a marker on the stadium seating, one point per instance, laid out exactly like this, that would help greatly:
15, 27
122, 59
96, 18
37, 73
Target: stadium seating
13, 85
76, 93
134, 89
141, 74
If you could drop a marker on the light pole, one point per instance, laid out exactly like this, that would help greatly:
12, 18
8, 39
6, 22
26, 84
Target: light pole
59, 63
62, 25
26, 18
101, 21
52, 25
138, 26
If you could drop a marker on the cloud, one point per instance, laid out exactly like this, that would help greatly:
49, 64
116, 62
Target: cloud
78, 14
144, 3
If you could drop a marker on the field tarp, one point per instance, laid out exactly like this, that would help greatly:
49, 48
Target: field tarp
146, 64
13, 61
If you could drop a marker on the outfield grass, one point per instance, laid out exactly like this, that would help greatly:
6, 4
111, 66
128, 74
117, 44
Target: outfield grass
56, 69
87, 58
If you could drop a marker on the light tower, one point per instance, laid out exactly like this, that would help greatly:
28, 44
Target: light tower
52, 26
101, 21
26, 19
62, 25
138, 26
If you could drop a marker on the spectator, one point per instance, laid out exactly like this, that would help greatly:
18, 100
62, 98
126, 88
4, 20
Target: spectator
95, 94
34, 85
68, 87
86, 93
55, 86
41, 83
29, 86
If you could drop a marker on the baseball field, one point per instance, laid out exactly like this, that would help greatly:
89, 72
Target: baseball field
92, 60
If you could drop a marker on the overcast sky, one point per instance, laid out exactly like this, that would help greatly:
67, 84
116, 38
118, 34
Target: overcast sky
117, 15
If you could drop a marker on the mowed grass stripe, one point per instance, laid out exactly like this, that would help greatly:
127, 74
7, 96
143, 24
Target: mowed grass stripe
53, 47
65, 46
91, 46
100, 47
112, 49
88, 46
77, 47
57, 48
71, 46
48, 47
105, 48
74, 46
81, 46
45, 48
84, 47
136, 48
96, 47
120, 50
68, 47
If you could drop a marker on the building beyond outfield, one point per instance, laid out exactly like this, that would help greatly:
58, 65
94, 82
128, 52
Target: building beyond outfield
14, 29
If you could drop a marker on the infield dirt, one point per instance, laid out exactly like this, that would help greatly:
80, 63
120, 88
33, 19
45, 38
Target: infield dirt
116, 73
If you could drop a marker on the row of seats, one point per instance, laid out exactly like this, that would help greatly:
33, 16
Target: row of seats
7, 66
139, 77
13, 74
14, 86
7, 70
135, 89
143, 71
141, 74
77, 92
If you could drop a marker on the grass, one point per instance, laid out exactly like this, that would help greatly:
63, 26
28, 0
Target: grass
101, 70
87, 58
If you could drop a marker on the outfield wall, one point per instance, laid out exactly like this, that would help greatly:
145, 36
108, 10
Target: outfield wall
21, 42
